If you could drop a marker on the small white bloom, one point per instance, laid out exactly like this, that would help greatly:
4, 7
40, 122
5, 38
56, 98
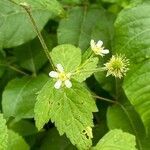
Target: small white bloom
62, 77
98, 48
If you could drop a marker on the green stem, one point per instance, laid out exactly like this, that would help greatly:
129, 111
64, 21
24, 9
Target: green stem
17, 70
14, 69
85, 62
78, 70
45, 48
117, 88
88, 71
105, 99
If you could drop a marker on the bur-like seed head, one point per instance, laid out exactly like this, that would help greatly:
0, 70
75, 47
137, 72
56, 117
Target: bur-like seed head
117, 66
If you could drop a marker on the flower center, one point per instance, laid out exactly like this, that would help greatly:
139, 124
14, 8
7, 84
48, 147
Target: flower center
97, 50
117, 64
63, 76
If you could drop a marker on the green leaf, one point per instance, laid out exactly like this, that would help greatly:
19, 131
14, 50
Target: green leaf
15, 26
124, 3
137, 89
86, 69
19, 96
2, 63
116, 140
30, 56
107, 83
70, 109
67, 55
3, 133
53, 5
23, 127
70, 59
71, 1
99, 130
132, 33
124, 117
77, 27
54, 141
132, 38
104, 29
16, 142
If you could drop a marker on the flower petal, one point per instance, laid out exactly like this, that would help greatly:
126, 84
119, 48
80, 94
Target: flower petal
92, 43
58, 84
99, 44
68, 83
60, 68
105, 51
53, 74
100, 53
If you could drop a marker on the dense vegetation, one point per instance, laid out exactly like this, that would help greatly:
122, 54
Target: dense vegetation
75, 74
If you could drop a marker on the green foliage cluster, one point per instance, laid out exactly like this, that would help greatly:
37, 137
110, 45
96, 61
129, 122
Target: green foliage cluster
87, 111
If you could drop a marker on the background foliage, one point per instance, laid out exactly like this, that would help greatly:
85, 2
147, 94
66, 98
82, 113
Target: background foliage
34, 115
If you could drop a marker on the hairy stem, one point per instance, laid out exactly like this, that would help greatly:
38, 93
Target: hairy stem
17, 70
14, 69
119, 90
105, 99
45, 48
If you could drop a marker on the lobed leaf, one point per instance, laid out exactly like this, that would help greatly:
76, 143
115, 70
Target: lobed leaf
67, 55
70, 109
70, 58
86, 69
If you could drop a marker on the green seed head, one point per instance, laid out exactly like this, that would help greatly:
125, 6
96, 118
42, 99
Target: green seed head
117, 66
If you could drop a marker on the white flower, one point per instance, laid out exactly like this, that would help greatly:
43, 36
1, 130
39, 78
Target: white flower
117, 66
98, 49
62, 77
